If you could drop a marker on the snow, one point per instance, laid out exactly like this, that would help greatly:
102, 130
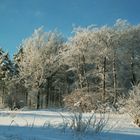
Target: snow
47, 125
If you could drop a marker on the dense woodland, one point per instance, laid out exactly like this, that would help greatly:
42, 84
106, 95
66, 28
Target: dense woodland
95, 68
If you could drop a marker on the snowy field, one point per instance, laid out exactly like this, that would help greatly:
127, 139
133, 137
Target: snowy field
48, 125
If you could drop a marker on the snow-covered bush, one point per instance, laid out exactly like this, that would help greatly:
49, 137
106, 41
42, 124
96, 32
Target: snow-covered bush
81, 100
134, 104
84, 101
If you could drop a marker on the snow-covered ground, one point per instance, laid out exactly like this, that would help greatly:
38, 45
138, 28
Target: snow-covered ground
48, 125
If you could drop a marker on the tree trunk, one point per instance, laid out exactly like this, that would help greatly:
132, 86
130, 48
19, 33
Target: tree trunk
48, 91
104, 79
38, 100
29, 103
83, 82
3, 94
133, 79
114, 78
41, 101
26, 98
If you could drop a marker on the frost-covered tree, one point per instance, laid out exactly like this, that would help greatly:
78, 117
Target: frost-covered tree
104, 41
86, 56
79, 54
6, 72
28, 61
38, 61
130, 42
51, 58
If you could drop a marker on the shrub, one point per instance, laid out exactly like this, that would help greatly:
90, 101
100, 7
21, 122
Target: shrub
133, 104
82, 101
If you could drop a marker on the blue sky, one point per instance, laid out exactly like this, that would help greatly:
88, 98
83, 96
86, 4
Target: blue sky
19, 18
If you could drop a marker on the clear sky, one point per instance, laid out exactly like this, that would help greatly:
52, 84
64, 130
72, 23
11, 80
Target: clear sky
18, 18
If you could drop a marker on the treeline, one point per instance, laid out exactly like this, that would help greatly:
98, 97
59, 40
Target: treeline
95, 67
